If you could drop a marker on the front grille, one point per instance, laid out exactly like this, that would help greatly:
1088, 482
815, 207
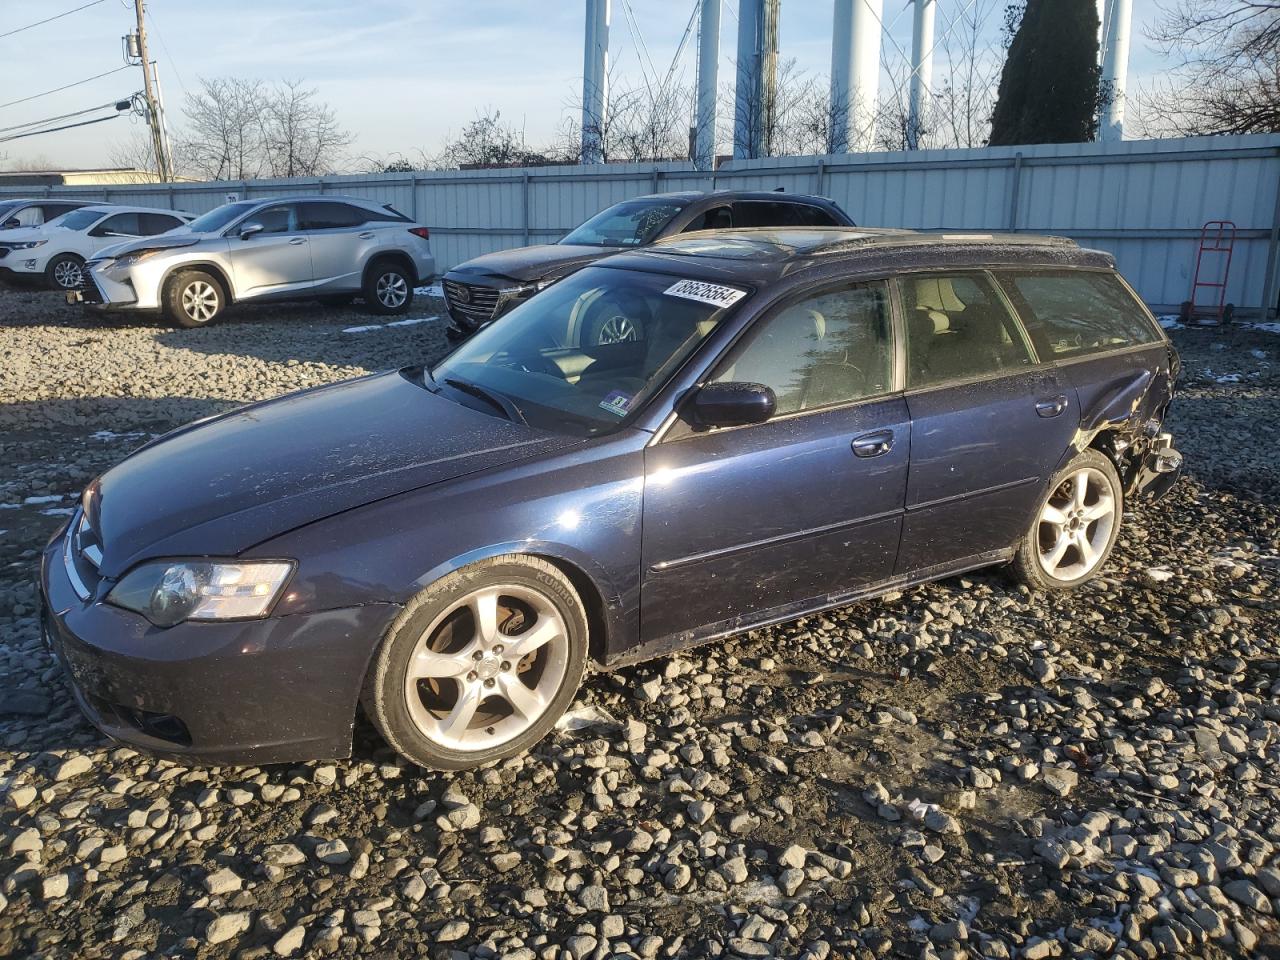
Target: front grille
89, 290
470, 302
82, 555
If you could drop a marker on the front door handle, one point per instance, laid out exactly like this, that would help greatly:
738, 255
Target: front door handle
1051, 406
873, 444
298, 240
367, 235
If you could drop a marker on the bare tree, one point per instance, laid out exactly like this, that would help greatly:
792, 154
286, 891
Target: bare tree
1227, 77
136, 153
487, 141
300, 135
222, 138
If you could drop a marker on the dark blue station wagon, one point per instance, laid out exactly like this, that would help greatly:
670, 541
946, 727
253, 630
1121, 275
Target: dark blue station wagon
796, 418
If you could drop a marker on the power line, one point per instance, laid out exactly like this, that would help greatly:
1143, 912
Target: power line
65, 116
56, 16
82, 123
37, 96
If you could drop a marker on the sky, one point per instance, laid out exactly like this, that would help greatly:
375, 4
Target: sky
401, 75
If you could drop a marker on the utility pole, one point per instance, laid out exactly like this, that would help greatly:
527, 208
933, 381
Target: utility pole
155, 118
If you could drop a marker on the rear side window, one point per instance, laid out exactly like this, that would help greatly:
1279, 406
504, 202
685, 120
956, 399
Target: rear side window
1075, 313
958, 328
321, 215
767, 213
153, 223
833, 348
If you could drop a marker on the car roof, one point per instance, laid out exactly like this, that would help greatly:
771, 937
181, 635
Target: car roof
121, 208
763, 254
316, 196
774, 195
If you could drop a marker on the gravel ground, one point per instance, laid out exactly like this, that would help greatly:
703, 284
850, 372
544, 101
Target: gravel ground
963, 769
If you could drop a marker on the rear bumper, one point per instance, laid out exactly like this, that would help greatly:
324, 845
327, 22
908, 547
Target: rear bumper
1159, 470
263, 691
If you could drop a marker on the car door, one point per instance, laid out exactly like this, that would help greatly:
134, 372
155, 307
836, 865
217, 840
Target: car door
988, 426
153, 224
275, 260
338, 235
798, 509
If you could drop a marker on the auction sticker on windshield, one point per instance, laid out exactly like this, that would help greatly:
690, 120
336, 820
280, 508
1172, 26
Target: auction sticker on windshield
712, 293
617, 402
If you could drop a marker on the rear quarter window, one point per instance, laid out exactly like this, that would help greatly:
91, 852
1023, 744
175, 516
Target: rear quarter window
1076, 313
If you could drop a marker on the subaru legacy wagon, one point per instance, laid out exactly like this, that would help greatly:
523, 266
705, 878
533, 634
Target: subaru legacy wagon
806, 417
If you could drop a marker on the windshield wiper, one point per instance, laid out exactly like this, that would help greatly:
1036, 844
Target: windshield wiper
491, 397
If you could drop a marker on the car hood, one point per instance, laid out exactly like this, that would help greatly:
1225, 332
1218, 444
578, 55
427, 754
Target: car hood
532, 263
220, 486
163, 241
21, 234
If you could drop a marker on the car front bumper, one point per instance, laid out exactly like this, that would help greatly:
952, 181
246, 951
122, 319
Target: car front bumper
260, 691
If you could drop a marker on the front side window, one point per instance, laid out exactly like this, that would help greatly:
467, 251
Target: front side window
153, 223
282, 218
120, 225
773, 213
1074, 313
628, 224
833, 348
958, 328
586, 353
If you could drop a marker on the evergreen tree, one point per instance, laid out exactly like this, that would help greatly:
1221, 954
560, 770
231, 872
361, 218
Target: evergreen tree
1049, 89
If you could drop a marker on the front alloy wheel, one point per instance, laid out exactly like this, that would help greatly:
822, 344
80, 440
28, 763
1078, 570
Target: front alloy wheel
200, 301
193, 298
481, 665
66, 272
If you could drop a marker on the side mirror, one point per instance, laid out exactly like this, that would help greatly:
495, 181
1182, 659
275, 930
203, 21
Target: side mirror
11, 223
733, 404
249, 229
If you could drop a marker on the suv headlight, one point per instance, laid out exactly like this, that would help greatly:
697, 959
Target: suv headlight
169, 592
28, 245
136, 256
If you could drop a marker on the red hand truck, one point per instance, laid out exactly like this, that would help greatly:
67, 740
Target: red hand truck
1217, 238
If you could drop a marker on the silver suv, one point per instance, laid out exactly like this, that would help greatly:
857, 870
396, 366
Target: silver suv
324, 248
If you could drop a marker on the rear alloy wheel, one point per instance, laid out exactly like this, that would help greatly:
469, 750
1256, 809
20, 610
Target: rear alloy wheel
65, 272
1076, 527
481, 665
388, 288
194, 299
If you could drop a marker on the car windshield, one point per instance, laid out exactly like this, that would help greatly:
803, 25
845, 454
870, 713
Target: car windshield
6, 207
584, 355
627, 224
81, 219
219, 217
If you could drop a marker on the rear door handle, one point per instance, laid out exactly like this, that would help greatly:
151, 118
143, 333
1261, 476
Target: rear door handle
873, 444
298, 240
1051, 406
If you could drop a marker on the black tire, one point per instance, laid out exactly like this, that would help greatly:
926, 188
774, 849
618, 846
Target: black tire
64, 272
386, 691
1030, 561
194, 298
388, 287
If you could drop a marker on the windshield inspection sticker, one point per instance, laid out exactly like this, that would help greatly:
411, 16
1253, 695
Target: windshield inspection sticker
712, 293
617, 402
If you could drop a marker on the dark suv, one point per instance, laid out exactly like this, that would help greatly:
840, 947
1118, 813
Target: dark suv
805, 418
486, 287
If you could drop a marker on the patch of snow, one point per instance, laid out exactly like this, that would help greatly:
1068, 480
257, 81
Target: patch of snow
1259, 354
1261, 327
1159, 574
586, 716
431, 290
1228, 378
365, 329
58, 511
408, 322
31, 501
1171, 322
411, 321
108, 435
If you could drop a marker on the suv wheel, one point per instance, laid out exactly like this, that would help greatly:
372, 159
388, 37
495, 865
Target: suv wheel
1075, 527
65, 271
388, 288
194, 298
480, 665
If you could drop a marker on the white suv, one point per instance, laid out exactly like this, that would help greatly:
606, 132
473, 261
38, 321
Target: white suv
56, 251
291, 248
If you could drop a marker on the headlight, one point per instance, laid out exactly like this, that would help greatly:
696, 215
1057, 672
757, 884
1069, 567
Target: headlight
28, 245
168, 592
136, 256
